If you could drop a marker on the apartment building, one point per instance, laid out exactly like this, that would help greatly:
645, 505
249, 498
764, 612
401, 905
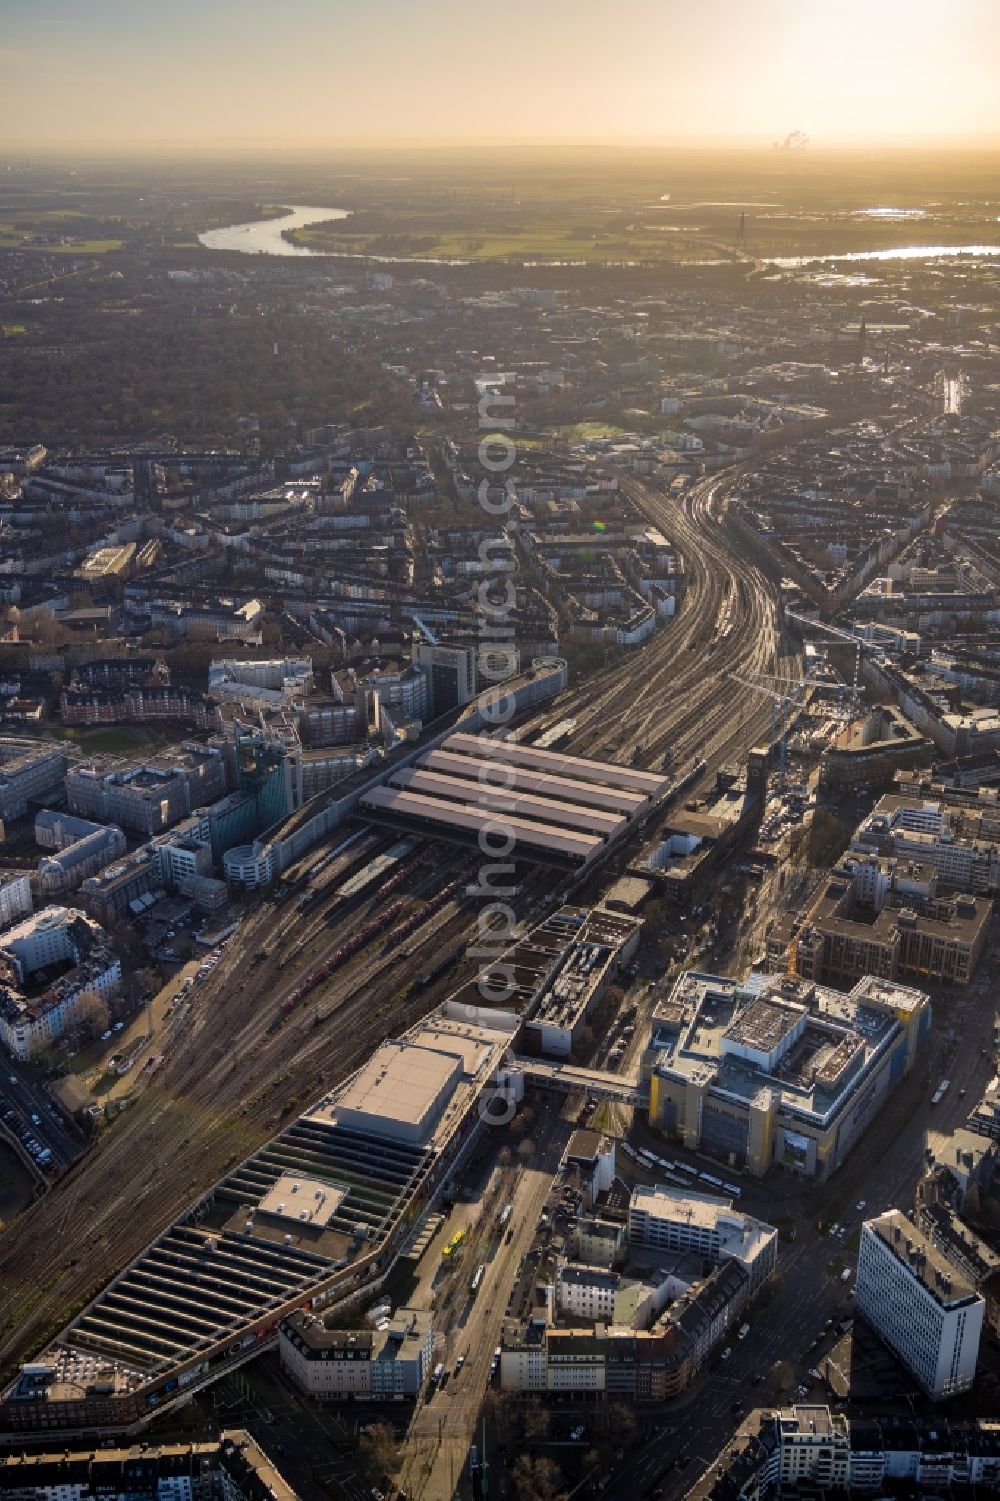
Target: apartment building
587, 1293
667, 1219
387, 1363
33, 1016
971, 1257
621, 1358
15, 899
929, 1315
962, 844
597, 1242
595, 1294
29, 772
136, 704
804, 1450
229, 1468
814, 1448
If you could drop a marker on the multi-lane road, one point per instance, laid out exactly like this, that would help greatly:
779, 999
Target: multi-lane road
22, 1091
444, 1427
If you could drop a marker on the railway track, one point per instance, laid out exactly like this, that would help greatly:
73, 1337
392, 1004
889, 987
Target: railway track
675, 695
227, 1089
228, 1085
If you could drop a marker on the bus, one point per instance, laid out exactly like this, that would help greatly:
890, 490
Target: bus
505, 1215
477, 1280
454, 1246
940, 1092
732, 1188
708, 1178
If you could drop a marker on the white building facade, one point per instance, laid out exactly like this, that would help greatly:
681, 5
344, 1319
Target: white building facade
928, 1315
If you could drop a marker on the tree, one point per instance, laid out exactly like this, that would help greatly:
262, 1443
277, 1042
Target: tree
91, 1012
537, 1479
828, 838
379, 1451
622, 1422
536, 1421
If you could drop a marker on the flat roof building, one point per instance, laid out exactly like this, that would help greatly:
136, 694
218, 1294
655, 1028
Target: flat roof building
28, 771
230, 1468
388, 1363
778, 1069
929, 1315
528, 837
400, 1092
679, 1220
481, 771
961, 843
73, 960
312, 1216
883, 916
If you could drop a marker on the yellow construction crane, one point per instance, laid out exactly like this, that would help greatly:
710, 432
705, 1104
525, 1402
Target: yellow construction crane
792, 960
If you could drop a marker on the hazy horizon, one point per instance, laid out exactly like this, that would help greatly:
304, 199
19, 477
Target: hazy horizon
322, 75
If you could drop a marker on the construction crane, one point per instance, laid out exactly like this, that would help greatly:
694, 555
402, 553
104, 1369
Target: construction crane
426, 630
792, 956
781, 697
850, 638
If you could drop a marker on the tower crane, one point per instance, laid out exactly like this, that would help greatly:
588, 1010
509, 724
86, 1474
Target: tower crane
781, 697
850, 638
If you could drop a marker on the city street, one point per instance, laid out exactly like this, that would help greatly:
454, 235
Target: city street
444, 1427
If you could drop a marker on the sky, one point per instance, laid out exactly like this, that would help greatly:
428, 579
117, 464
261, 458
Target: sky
137, 73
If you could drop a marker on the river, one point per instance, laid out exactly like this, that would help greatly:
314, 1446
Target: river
896, 253
263, 236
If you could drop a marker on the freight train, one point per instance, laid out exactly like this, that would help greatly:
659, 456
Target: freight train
339, 956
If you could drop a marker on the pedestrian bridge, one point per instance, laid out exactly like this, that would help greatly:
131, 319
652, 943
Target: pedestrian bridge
570, 1078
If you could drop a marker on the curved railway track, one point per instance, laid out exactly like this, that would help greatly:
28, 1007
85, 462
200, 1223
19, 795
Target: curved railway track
676, 694
232, 1078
